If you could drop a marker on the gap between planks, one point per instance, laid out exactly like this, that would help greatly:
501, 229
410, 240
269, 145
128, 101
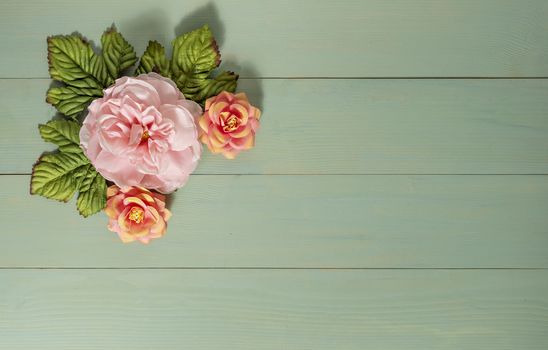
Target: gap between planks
278, 268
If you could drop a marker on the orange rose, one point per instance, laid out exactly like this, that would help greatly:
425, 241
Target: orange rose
228, 124
135, 213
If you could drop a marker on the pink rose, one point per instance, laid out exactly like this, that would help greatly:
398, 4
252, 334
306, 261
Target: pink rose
135, 213
228, 124
142, 133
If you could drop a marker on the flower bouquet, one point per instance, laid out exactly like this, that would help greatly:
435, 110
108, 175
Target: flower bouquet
127, 138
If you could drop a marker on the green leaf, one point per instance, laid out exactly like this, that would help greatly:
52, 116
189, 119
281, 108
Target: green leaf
226, 81
195, 55
118, 54
154, 60
93, 193
63, 133
70, 100
58, 175
72, 61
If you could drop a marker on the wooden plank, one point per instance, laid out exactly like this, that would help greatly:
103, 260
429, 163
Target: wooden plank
303, 38
299, 221
350, 127
289, 309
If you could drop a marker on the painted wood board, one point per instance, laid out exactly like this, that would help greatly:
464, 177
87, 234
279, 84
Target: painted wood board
306, 38
349, 127
327, 241
273, 309
299, 221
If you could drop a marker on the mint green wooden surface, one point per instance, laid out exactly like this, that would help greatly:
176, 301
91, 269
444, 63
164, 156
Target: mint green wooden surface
300, 221
296, 38
373, 213
287, 309
354, 126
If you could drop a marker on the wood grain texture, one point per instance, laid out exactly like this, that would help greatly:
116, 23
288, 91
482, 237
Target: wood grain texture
350, 127
326, 241
303, 38
290, 309
299, 221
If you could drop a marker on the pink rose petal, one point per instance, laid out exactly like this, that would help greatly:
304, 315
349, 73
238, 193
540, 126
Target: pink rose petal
137, 128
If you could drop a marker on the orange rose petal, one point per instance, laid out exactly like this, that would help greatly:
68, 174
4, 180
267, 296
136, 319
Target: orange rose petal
154, 213
218, 138
215, 144
113, 225
110, 212
225, 96
126, 190
204, 122
214, 149
143, 189
216, 109
254, 124
244, 116
257, 113
167, 214
122, 219
230, 154
147, 197
209, 102
123, 224
112, 208
129, 227
112, 191
125, 237
135, 200
160, 205
243, 143
246, 130
204, 138
241, 96
154, 235
245, 104
138, 231
158, 229
159, 197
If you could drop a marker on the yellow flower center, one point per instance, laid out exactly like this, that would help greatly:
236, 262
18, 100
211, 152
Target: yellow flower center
145, 136
136, 214
230, 123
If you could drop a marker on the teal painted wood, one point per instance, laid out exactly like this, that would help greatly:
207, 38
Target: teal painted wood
288, 309
303, 38
350, 127
323, 127
299, 221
